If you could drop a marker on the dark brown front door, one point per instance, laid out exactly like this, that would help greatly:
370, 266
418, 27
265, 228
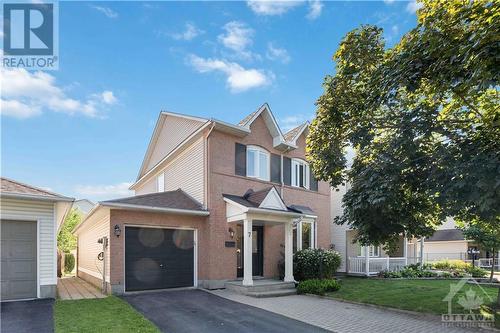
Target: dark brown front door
257, 249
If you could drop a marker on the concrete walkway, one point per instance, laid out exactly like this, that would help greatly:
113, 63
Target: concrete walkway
342, 317
76, 288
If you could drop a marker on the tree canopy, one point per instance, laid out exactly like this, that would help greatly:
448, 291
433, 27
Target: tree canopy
66, 241
423, 119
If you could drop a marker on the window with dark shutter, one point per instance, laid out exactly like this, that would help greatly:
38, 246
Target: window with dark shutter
287, 170
240, 159
313, 182
301, 175
275, 168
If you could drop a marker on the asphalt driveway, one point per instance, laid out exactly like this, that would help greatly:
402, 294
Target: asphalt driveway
27, 316
185, 311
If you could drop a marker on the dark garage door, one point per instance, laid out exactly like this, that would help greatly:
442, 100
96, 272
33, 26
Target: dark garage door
18, 253
158, 258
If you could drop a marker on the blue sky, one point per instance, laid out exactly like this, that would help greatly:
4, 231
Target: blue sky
82, 130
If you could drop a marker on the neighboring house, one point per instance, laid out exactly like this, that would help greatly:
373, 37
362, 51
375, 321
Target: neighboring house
83, 206
30, 218
213, 202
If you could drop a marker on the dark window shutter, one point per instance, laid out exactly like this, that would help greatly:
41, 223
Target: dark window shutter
275, 168
287, 171
301, 176
313, 182
240, 159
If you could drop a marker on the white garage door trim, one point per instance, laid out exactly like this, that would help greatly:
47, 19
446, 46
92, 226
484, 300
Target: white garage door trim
195, 263
29, 218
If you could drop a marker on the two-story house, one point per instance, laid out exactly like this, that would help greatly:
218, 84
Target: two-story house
213, 202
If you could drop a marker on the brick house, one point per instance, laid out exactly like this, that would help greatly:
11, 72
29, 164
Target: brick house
214, 202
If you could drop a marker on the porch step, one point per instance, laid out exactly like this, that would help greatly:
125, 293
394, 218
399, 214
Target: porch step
263, 288
273, 293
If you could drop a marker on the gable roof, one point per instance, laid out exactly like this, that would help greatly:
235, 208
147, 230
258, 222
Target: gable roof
13, 188
293, 134
446, 235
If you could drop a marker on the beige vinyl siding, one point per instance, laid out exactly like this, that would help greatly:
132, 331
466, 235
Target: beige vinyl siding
96, 227
434, 251
186, 171
147, 187
173, 132
338, 232
43, 212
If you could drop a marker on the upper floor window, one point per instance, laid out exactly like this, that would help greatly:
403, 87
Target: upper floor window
258, 164
160, 182
300, 173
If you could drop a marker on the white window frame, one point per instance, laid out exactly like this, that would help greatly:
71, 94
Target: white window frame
312, 240
256, 166
160, 182
374, 251
296, 163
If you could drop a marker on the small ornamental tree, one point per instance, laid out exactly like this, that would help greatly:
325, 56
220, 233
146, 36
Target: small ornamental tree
66, 241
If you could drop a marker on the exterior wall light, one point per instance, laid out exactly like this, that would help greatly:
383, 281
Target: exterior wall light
118, 231
231, 232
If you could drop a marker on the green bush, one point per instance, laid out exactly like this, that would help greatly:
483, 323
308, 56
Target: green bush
69, 262
451, 265
315, 264
476, 272
318, 287
446, 275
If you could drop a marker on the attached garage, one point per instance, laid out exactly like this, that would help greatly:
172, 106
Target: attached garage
29, 220
153, 242
159, 258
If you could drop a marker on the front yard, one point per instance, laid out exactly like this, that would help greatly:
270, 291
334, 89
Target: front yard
413, 295
109, 314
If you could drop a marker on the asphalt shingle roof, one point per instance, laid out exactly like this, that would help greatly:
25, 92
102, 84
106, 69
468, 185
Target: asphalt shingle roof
177, 199
15, 187
446, 235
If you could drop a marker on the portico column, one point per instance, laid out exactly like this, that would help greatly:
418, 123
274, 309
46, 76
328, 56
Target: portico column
405, 249
422, 251
367, 260
247, 253
289, 252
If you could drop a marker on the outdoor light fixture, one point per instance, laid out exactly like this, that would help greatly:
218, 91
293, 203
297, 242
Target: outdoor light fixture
231, 232
118, 231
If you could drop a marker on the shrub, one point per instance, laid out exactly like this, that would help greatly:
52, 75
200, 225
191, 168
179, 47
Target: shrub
315, 264
476, 272
69, 262
390, 274
451, 264
318, 287
446, 275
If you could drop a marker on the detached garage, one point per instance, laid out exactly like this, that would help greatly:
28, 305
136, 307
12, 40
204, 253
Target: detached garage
29, 220
152, 242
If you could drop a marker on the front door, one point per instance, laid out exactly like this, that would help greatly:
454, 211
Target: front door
257, 249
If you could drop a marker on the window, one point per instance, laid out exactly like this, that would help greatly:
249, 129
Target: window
160, 182
303, 236
374, 251
258, 163
300, 173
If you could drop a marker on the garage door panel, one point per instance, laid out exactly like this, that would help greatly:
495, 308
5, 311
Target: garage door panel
158, 258
18, 259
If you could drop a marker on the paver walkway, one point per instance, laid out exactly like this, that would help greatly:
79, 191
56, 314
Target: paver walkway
344, 317
76, 288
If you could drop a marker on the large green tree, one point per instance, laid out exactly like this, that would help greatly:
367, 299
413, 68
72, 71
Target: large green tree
423, 119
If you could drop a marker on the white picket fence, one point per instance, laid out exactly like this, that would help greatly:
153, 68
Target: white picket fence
357, 265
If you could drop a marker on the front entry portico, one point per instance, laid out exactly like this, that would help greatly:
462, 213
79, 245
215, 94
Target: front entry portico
270, 211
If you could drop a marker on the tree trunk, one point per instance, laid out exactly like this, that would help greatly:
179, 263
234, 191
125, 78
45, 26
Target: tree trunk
492, 272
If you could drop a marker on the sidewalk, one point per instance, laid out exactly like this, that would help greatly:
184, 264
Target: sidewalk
344, 317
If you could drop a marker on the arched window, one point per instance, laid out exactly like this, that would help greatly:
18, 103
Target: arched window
258, 165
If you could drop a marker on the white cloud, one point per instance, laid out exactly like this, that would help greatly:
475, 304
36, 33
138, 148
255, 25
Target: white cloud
106, 11
413, 6
277, 53
190, 32
267, 7
315, 8
237, 37
238, 78
108, 97
104, 191
26, 94
289, 122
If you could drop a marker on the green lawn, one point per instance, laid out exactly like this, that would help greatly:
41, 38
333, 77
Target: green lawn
109, 314
414, 295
